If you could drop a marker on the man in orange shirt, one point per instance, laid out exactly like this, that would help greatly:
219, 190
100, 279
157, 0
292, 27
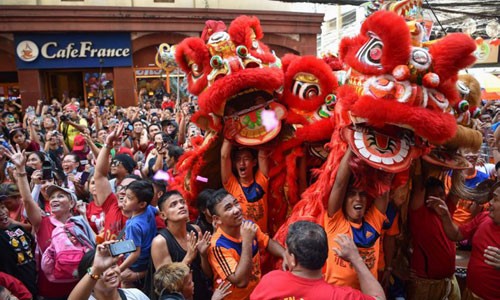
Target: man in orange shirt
249, 187
234, 248
347, 214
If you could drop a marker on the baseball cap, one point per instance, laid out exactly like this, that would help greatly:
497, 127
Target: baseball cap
53, 188
78, 143
8, 190
72, 107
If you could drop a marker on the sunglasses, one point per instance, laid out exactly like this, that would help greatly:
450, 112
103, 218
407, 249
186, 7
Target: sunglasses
115, 163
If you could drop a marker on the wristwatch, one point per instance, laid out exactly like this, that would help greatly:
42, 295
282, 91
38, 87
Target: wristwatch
93, 276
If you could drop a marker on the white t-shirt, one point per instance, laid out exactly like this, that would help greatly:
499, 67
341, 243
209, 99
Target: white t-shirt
488, 169
131, 294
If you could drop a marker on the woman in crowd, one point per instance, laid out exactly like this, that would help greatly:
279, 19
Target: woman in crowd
100, 278
62, 201
17, 136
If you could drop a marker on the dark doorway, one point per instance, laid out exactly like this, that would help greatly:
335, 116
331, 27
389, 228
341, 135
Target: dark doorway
65, 83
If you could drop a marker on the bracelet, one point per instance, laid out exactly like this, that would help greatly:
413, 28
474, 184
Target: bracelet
108, 146
21, 173
93, 276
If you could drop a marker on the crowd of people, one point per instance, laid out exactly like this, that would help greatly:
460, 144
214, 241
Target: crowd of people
81, 181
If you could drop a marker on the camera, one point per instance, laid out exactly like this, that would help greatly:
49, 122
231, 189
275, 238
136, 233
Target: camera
63, 118
191, 109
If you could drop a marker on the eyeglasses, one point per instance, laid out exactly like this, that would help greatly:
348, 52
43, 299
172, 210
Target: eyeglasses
68, 161
115, 163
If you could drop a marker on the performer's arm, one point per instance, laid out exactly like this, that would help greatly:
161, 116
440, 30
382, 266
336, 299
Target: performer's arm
339, 188
264, 162
225, 161
418, 190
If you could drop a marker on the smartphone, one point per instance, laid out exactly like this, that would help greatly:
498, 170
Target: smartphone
122, 247
84, 177
47, 171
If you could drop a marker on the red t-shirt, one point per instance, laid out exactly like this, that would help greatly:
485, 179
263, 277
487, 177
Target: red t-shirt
482, 279
15, 286
166, 104
433, 253
45, 287
95, 215
285, 285
114, 220
160, 223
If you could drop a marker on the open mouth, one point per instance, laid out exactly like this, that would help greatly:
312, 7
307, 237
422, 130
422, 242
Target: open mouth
112, 279
390, 149
4, 220
243, 116
358, 207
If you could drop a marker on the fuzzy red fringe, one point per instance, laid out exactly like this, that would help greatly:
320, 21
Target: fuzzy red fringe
293, 65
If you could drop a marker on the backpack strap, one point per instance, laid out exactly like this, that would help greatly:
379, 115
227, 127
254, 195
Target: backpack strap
55, 222
122, 294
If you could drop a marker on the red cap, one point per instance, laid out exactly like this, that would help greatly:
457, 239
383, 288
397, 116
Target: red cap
125, 150
79, 143
72, 107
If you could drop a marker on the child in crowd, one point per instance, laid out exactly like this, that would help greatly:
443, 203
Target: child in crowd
141, 228
174, 282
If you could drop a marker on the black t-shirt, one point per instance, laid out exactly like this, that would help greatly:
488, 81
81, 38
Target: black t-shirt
17, 256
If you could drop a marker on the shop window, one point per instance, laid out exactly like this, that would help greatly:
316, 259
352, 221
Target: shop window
99, 85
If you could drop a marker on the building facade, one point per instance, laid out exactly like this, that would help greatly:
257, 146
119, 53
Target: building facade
109, 51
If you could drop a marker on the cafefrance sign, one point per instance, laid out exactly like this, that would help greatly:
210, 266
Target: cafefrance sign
73, 50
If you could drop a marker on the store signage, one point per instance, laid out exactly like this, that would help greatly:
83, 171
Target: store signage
75, 50
148, 72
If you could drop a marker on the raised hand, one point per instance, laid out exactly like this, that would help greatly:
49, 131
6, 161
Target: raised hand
248, 230
192, 242
204, 243
115, 134
348, 250
438, 205
16, 156
103, 259
222, 291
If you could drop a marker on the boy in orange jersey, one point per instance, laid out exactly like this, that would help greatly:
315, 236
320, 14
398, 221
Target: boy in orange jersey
234, 248
347, 214
245, 177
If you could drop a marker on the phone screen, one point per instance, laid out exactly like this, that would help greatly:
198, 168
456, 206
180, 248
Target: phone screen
84, 177
47, 171
122, 247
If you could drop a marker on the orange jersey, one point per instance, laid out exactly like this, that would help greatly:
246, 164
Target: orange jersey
224, 256
340, 272
254, 211
391, 231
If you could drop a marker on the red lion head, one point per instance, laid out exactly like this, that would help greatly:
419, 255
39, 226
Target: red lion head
236, 78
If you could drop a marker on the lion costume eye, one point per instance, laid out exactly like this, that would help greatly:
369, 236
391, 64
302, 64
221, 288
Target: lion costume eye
306, 86
305, 90
371, 52
195, 71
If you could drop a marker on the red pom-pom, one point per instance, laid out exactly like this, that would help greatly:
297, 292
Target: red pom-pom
401, 72
431, 80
